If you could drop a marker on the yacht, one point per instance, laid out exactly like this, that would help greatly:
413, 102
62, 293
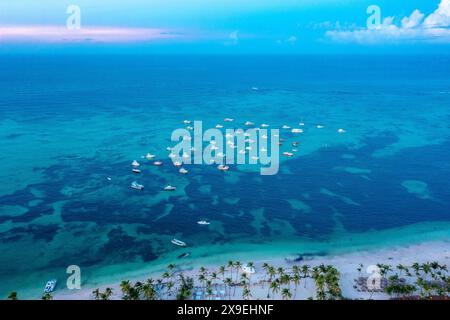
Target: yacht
50, 286
341, 131
296, 130
169, 188
203, 222
222, 167
135, 163
249, 123
228, 120
134, 170
178, 242
149, 156
288, 154
157, 163
137, 186
183, 171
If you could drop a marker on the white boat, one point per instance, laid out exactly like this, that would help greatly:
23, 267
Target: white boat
288, 154
157, 163
178, 242
137, 186
203, 222
50, 286
297, 130
187, 121
190, 128
134, 170
341, 131
301, 124
219, 126
109, 179
222, 167
183, 171
255, 88
177, 164
169, 188
319, 126
264, 125
249, 123
228, 120
149, 156
135, 163
285, 127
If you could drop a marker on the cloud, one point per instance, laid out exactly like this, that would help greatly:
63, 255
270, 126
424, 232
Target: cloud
233, 38
60, 34
434, 28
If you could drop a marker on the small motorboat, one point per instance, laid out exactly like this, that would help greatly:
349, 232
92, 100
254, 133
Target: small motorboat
177, 164
297, 130
222, 167
135, 170
190, 128
149, 156
228, 120
109, 179
183, 171
285, 127
169, 188
219, 126
135, 163
319, 126
50, 286
264, 125
288, 154
157, 163
255, 89
341, 131
187, 121
249, 123
137, 186
178, 242
301, 124
203, 222
295, 144
184, 255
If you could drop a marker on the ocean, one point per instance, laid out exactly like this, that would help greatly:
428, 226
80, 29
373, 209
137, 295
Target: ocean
70, 126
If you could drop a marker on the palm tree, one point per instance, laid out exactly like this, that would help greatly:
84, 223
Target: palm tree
228, 282
202, 279
96, 293
125, 286
286, 294
275, 287
265, 267
231, 265
237, 265
47, 296
305, 273
107, 294
12, 295
222, 271
246, 293
296, 279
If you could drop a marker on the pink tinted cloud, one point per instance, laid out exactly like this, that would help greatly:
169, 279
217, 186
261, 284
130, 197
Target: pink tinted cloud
61, 34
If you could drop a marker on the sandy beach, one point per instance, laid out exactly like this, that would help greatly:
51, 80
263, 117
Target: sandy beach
347, 264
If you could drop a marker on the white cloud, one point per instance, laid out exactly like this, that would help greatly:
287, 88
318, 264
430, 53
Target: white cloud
292, 39
415, 28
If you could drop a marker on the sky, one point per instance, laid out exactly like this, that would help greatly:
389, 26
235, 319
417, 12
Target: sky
225, 26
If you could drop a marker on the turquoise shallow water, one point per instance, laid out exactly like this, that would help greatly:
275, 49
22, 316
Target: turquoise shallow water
68, 123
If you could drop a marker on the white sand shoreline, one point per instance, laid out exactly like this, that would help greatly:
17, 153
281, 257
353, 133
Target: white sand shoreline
346, 263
